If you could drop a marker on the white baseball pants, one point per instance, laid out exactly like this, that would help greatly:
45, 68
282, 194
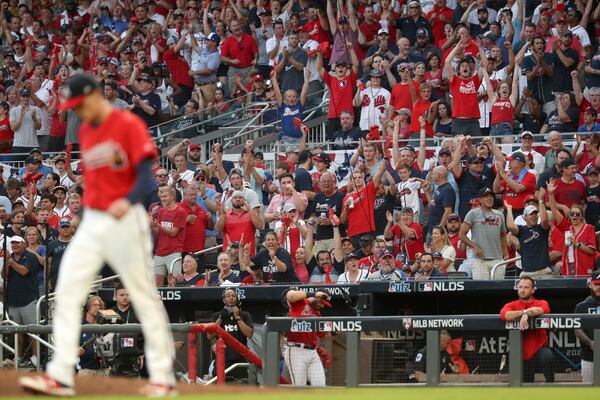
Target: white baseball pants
304, 365
126, 246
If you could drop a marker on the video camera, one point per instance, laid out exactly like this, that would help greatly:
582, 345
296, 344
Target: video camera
122, 350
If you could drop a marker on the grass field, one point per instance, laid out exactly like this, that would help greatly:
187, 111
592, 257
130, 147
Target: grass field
446, 393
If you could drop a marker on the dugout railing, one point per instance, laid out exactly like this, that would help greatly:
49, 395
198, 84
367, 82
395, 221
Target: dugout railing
353, 327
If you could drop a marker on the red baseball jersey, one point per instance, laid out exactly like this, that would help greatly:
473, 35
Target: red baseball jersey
111, 153
533, 340
303, 309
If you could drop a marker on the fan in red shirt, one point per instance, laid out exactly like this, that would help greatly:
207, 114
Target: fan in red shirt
358, 206
406, 235
239, 222
300, 350
401, 92
439, 16
517, 184
169, 226
239, 50
369, 27
463, 88
341, 86
569, 191
453, 227
536, 353
197, 221
6, 133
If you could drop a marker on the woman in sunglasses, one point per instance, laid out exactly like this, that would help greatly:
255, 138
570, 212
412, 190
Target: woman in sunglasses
580, 238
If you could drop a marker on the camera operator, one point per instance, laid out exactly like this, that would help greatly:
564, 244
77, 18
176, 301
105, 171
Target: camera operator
238, 324
123, 306
89, 361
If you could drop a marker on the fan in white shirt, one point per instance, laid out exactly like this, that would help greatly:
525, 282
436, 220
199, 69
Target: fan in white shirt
353, 272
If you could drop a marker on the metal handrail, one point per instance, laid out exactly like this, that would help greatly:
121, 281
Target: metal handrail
505, 262
31, 335
227, 370
196, 254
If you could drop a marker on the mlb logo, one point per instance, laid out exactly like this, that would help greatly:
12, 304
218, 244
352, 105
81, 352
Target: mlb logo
407, 323
127, 342
427, 287
542, 323
326, 326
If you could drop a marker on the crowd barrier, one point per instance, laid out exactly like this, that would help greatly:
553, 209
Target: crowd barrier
353, 327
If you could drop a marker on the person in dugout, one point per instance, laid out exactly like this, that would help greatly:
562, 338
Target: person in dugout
238, 324
537, 356
450, 361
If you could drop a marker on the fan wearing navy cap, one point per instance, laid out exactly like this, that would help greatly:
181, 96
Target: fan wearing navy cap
533, 240
300, 348
146, 104
591, 305
516, 184
117, 153
388, 269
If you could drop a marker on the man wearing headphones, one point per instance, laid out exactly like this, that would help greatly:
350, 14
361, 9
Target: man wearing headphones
536, 353
591, 305
89, 362
238, 324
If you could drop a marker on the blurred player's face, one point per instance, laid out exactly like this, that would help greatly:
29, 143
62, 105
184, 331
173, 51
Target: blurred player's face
525, 289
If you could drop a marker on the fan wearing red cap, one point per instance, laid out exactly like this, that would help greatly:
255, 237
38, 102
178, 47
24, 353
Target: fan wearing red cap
300, 350
591, 305
117, 154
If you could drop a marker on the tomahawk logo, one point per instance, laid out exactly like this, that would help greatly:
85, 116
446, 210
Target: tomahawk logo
407, 323
325, 326
301, 326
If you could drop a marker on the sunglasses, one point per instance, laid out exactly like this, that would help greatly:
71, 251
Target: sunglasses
201, 179
161, 175
575, 214
413, 7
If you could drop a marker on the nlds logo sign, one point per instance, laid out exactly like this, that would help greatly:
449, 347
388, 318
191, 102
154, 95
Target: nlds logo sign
170, 295
558, 323
340, 326
442, 286
301, 326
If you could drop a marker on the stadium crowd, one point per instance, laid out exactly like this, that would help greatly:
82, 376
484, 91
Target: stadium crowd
481, 79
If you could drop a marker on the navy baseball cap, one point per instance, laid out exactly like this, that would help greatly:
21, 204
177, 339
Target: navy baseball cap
486, 191
595, 277
64, 222
76, 88
350, 256
387, 253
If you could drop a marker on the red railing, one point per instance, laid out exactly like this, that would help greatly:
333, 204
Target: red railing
224, 340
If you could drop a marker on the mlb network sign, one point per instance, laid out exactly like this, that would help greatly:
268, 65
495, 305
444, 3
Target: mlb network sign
340, 326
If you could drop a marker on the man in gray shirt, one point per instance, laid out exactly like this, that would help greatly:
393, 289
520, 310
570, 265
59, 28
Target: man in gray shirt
291, 64
110, 92
25, 119
488, 236
261, 35
204, 67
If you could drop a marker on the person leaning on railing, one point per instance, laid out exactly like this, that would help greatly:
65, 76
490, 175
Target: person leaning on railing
536, 353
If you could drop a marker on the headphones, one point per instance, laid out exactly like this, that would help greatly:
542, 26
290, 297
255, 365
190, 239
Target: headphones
237, 297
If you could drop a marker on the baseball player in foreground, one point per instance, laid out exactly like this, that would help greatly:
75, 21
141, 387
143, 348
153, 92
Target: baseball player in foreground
300, 350
117, 155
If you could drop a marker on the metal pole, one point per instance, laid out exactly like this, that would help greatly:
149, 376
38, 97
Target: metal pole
596, 350
192, 355
515, 358
352, 359
271, 361
220, 361
433, 358
4, 274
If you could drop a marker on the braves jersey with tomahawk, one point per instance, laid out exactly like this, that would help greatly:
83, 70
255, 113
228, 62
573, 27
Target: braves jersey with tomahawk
111, 153
303, 309
374, 103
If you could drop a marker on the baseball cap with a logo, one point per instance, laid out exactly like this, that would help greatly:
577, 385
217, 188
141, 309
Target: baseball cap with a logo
595, 278
76, 88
